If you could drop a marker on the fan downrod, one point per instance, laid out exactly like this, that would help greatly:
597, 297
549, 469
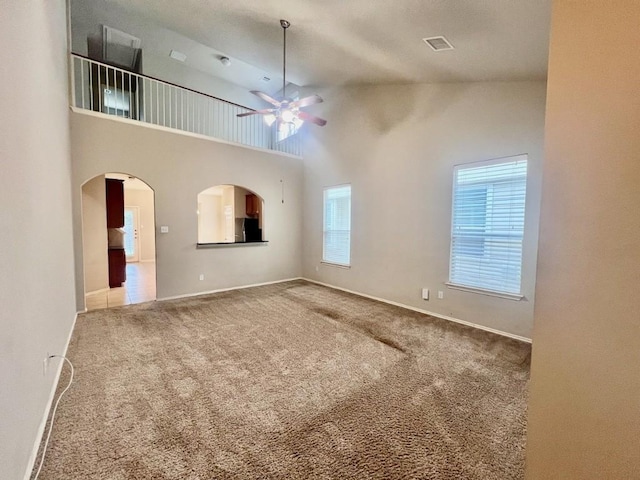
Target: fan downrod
284, 24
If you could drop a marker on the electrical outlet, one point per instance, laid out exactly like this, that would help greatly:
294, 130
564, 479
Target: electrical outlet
425, 294
440, 294
202, 276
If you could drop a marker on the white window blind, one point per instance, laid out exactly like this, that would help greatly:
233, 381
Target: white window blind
488, 225
336, 243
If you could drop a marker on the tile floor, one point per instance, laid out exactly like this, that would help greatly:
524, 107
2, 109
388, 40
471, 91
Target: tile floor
139, 287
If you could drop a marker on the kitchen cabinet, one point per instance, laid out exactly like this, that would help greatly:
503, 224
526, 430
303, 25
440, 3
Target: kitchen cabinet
115, 220
253, 205
117, 267
115, 202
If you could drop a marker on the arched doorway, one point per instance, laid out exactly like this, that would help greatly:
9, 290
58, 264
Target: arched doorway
118, 241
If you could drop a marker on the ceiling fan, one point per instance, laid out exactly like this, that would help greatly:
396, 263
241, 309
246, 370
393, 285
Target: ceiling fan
286, 110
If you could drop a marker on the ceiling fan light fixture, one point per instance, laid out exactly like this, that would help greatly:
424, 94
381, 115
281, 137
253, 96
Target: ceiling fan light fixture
286, 111
287, 115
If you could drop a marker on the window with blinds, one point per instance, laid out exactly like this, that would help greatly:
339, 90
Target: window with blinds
488, 225
336, 243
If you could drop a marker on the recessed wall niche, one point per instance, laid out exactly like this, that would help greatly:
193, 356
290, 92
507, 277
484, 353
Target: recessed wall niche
229, 214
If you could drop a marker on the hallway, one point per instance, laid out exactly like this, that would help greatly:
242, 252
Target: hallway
140, 287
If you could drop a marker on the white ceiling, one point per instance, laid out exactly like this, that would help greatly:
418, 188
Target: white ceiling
338, 42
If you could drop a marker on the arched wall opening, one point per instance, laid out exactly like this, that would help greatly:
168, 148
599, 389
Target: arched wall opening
230, 214
118, 240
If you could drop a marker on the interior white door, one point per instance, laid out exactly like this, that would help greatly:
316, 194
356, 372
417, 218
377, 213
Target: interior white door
131, 235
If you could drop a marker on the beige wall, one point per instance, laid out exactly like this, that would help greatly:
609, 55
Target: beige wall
397, 146
178, 167
584, 414
229, 200
143, 199
210, 218
36, 242
94, 235
240, 202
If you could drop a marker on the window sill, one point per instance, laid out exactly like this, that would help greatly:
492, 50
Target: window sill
231, 244
339, 265
482, 291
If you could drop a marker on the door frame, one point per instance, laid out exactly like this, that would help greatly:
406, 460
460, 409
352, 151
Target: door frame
136, 227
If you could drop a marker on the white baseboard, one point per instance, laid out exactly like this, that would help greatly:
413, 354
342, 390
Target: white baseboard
45, 417
426, 312
187, 295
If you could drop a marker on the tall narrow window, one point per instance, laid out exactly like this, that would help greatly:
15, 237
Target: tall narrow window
336, 243
488, 225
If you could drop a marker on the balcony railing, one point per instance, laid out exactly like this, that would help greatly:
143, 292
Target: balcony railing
102, 88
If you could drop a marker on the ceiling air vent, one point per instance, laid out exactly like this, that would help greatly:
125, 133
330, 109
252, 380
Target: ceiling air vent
438, 44
176, 55
119, 48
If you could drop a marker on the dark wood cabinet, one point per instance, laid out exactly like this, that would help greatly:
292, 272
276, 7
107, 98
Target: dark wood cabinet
253, 205
115, 220
115, 202
117, 267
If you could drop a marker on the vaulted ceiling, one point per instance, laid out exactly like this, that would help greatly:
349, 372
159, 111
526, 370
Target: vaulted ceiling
338, 42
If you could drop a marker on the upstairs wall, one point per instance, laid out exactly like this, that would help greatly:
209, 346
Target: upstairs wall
87, 17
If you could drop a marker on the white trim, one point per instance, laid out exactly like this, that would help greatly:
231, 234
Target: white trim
518, 157
148, 260
177, 131
426, 312
484, 291
334, 264
45, 417
241, 287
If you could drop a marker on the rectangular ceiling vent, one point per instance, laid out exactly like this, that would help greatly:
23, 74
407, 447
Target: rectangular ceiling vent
119, 48
176, 55
438, 44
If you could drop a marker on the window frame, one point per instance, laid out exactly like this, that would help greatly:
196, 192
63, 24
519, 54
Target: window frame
489, 236
324, 260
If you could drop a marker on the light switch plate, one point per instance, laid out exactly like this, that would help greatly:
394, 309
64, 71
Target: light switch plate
164, 229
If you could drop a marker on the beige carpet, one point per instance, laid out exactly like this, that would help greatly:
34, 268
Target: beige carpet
288, 381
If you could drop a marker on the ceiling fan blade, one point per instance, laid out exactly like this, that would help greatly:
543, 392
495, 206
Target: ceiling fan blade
307, 117
257, 112
266, 98
305, 102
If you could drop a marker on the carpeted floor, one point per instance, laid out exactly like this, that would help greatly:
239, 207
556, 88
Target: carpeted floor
288, 381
